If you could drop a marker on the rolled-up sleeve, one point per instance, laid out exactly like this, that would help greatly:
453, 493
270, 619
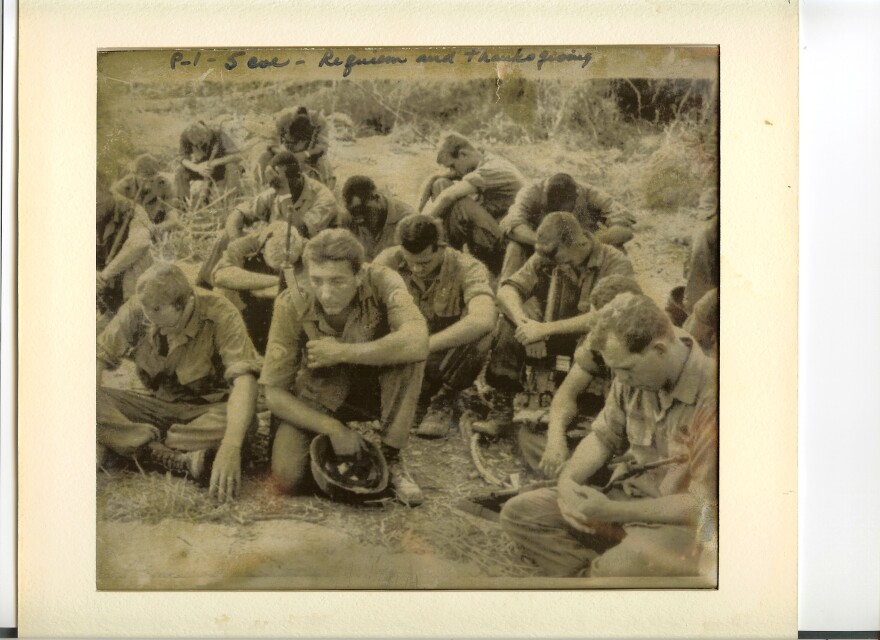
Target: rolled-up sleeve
233, 343
476, 281
610, 425
525, 280
119, 335
283, 349
398, 300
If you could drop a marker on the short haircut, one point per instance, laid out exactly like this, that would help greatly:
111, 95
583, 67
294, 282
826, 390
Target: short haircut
417, 232
163, 283
198, 133
358, 186
610, 287
561, 191
634, 318
451, 146
290, 169
335, 245
145, 165
561, 229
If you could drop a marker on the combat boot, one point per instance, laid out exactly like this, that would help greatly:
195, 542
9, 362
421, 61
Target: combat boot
439, 417
405, 488
190, 463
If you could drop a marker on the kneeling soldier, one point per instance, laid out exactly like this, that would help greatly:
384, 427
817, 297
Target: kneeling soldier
453, 292
329, 349
189, 346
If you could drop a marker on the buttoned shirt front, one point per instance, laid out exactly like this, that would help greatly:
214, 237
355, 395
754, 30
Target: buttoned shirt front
382, 305
195, 365
654, 425
459, 279
576, 284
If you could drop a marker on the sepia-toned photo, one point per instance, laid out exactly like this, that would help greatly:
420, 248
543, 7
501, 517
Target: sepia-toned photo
407, 318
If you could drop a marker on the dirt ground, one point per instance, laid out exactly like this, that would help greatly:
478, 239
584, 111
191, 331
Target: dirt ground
159, 532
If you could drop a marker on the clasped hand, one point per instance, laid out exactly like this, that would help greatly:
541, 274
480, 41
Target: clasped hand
324, 352
530, 331
583, 506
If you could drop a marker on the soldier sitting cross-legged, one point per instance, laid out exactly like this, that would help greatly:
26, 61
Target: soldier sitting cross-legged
192, 353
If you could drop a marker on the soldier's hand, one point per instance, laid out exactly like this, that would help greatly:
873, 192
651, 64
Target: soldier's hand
100, 281
555, 455
204, 169
302, 156
346, 442
530, 331
574, 507
536, 350
324, 352
226, 473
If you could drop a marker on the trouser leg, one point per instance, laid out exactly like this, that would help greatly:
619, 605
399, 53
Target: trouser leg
533, 520
400, 387
205, 431
651, 551
507, 358
467, 222
127, 419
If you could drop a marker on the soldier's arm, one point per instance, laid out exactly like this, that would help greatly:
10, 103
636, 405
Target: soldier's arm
510, 303
232, 157
409, 343
290, 409
478, 322
133, 249
516, 224
448, 197
238, 279
575, 325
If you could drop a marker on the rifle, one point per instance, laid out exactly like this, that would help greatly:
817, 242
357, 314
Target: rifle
287, 280
539, 384
488, 505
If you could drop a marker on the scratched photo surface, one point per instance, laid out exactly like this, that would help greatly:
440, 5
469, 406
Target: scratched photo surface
240, 368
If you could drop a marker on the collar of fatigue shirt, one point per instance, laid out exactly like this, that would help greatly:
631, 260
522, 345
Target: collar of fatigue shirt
315, 314
190, 329
687, 387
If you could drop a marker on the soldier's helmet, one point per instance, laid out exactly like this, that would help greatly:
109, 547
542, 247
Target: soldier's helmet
349, 479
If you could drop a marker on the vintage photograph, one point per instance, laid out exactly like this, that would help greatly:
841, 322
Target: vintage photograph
407, 318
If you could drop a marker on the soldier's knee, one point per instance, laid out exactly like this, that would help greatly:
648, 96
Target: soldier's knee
290, 459
515, 512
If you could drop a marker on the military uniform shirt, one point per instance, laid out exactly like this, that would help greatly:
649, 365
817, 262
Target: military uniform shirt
459, 280
497, 182
382, 304
652, 425
533, 278
316, 207
196, 365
